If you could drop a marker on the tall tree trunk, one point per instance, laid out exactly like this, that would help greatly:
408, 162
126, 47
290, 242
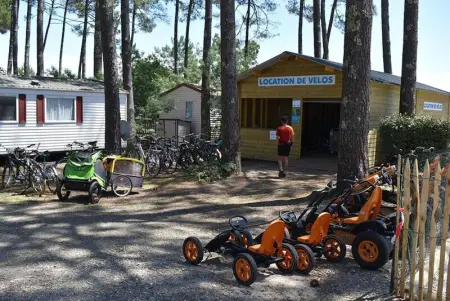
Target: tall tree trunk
300, 26
133, 24
9, 69
97, 44
15, 27
354, 125
230, 103
82, 64
206, 72
49, 23
186, 38
324, 29
61, 48
175, 37
316, 27
111, 77
126, 62
330, 23
386, 36
26, 65
409, 59
247, 28
40, 38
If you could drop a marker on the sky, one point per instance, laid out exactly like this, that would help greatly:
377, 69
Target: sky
433, 61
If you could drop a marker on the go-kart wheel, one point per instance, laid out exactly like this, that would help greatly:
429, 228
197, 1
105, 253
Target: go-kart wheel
290, 261
244, 269
95, 192
334, 248
61, 191
306, 259
247, 238
370, 250
193, 250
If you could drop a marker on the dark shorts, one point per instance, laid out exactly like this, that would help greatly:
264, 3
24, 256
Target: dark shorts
284, 150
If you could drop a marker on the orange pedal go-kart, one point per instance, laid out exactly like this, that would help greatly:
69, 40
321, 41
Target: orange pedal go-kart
248, 257
319, 239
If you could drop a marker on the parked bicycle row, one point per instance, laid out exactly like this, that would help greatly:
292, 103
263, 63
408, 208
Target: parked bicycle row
169, 154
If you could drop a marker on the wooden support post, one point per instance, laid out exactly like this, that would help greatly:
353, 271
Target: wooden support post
266, 104
240, 112
245, 100
405, 232
261, 109
253, 113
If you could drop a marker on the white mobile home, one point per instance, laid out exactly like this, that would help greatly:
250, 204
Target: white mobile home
53, 112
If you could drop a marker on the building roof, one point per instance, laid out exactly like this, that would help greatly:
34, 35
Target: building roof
52, 83
197, 88
375, 76
190, 86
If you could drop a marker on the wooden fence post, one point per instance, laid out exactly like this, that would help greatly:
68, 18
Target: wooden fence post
405, 232
443, 241
436, 186
422, 220
415, 231
397, 219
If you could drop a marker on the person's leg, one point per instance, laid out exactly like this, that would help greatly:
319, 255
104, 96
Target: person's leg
280, 163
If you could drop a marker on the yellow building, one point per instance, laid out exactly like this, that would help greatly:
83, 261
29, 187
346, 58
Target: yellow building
308, 90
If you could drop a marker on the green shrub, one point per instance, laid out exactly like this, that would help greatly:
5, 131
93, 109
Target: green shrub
211, 171
400, 132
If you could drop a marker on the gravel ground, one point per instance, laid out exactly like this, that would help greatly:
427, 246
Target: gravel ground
130, 248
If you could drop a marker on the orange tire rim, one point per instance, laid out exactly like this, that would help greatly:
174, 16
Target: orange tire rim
288, 261
191, 251
245, 240
303, 260
332, 248
368, 251
233, 238
243, 269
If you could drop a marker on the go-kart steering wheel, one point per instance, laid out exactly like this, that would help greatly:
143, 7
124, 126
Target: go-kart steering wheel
371, 185
288, 217
239, 223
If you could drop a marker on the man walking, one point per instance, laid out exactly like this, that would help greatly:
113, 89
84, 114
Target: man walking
285, 137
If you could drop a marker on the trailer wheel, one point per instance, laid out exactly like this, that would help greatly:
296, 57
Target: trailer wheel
122, 186
95, 192
61, 191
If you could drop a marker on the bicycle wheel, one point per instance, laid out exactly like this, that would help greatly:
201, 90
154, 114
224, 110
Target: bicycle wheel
153, 164
171, 162
37, 178
7, 176
59, 166
51, 177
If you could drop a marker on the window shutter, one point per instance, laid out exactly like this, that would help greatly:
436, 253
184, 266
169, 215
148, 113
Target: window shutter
40, 117
79, 105
22, 108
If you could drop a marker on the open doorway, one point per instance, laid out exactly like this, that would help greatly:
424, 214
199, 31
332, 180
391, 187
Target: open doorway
319, 118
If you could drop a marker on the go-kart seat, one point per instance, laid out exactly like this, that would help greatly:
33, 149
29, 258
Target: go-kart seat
272, 238
369, 210
318, 230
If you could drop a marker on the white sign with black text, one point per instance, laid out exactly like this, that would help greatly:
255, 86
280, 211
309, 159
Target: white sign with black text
432, 106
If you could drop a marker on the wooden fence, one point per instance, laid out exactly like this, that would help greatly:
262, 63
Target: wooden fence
419, 197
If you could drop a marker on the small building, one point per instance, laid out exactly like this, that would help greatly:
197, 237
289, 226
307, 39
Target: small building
186, 116
308, 90
52, 112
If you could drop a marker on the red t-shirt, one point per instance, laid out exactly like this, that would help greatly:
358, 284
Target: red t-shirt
285, 134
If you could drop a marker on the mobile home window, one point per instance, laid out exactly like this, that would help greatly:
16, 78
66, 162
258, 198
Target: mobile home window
60, 109
8, 108
188, 115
